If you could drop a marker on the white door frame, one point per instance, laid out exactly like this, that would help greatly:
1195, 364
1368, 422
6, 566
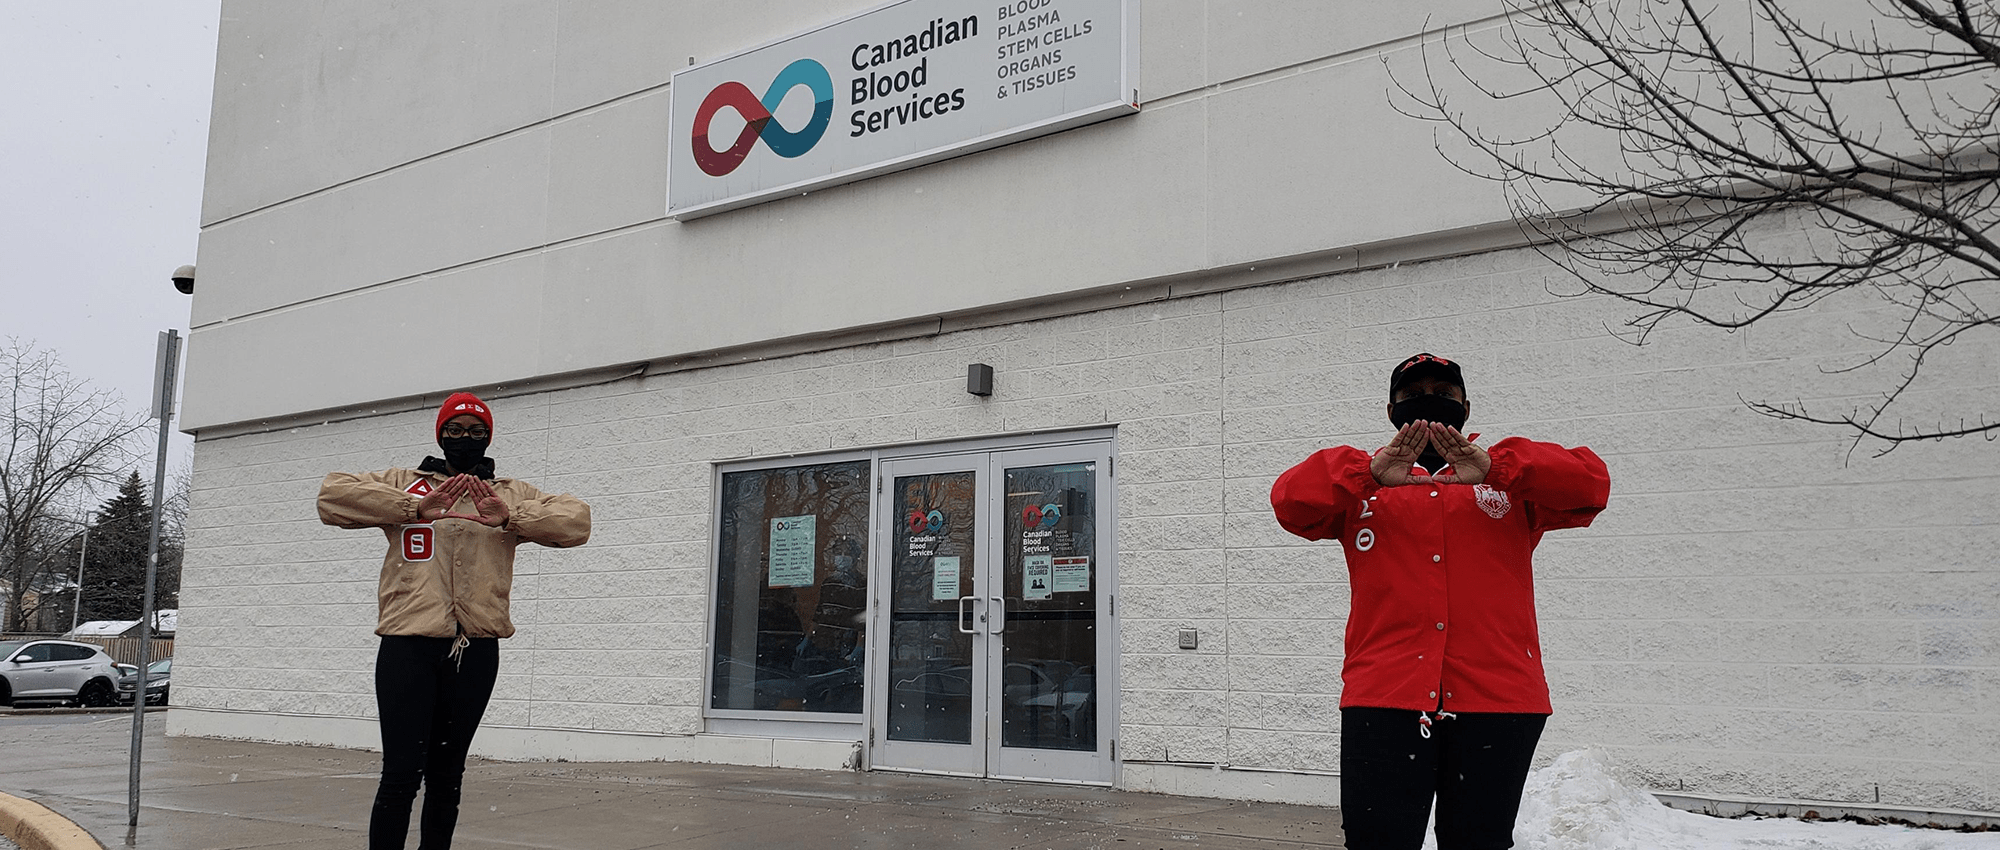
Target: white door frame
984, 755
966, 759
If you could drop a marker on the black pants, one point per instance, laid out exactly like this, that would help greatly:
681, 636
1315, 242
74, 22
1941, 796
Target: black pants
1474, 764
430, 704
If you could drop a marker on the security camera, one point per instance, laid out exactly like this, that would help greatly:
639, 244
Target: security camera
184, 279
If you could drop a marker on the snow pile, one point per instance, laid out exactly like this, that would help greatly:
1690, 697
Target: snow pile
1578, 803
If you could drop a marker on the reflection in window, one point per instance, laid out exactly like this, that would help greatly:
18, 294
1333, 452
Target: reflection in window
791, 589
1049, 684
935, 552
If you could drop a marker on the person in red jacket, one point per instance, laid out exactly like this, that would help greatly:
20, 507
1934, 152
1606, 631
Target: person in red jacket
1443, 694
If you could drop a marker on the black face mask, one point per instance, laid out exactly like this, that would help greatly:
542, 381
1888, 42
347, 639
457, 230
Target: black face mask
1442, 409
464, 453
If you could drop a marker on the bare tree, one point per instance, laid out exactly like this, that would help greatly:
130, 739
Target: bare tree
59, 439
1733, 160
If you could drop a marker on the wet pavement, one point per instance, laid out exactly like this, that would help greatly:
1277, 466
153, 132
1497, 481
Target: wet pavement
221, 795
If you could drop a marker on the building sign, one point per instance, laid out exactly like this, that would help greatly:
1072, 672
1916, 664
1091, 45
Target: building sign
908, 83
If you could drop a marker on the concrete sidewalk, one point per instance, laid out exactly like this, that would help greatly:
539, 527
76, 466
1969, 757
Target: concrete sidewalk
222, 795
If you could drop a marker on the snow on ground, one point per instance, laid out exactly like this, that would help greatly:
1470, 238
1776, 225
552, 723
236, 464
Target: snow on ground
1577, 803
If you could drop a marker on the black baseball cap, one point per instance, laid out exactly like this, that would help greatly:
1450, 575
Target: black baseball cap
1424, 365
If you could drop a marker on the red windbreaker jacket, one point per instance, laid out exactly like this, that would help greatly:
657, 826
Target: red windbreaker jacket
1442, 575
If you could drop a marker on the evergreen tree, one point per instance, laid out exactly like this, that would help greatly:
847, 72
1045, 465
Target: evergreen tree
114, 581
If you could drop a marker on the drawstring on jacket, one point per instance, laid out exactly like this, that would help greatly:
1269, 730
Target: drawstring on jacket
457, 656
1424, 721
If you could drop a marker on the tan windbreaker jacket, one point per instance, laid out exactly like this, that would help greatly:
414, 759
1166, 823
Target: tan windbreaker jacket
450, 575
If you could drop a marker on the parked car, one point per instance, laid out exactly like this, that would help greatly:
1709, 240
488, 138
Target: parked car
157, 675
932, 705
1049, 705
834, 690
56, 671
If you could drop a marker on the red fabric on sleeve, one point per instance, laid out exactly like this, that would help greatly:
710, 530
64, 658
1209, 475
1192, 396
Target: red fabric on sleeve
1566, 488
1312, 499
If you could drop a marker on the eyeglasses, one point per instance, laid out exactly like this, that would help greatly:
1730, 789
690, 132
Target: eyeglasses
477, 432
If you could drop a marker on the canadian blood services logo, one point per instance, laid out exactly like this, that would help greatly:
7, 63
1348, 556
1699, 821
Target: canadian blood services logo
1040, 516
920, 522
760, 124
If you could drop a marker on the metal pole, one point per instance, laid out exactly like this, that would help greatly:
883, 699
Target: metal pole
77, 605
164, 405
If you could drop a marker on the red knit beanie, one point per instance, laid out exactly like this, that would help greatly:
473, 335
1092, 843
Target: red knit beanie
460, 404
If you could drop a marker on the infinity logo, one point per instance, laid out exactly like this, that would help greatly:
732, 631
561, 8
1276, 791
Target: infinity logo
1040, 516
920, 522
757, 114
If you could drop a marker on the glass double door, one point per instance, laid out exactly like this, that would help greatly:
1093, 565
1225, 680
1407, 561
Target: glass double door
997, 655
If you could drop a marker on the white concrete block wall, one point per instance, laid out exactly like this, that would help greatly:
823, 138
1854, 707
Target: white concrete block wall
1759, 613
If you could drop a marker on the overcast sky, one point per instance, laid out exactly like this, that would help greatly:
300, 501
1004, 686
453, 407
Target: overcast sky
105, 133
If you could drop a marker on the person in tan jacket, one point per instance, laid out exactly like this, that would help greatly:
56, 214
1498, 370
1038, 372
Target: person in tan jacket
443, 600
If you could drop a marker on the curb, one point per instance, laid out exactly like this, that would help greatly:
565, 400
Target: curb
37, 827
123, 709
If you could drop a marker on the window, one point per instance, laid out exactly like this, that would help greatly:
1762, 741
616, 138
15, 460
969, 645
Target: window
791, 589
65, 652
35, 653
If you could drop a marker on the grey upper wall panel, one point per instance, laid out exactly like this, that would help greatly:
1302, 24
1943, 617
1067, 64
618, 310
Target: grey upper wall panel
1348, 171
611, 50
1248, 37
1173, 48
1188, 44
603, 173
471, 204
313, 94
476, 325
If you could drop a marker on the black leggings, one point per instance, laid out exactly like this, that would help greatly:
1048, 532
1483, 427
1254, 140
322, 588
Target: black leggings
430, 704
1475, 765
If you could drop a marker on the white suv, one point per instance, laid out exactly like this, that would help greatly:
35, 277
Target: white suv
58, 670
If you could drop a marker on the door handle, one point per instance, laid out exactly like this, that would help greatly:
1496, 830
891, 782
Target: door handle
1000, 622
960, 622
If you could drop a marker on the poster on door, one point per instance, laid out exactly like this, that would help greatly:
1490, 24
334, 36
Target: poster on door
1037, 577
1072, 573
944, 578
